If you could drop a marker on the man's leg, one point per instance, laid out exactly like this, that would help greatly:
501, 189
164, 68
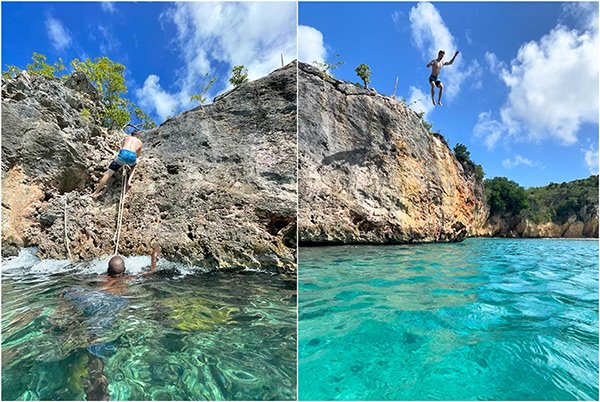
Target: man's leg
441, 87
129, 180
103, 182
432, 92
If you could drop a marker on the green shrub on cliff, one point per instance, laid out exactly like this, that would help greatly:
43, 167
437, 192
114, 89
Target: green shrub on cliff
201, 97
239, 75
364, 73
463, 156
327, 68
11, 71
40, 67
107, 77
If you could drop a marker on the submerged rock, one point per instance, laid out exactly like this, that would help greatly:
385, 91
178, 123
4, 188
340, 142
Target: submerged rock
214, 187
370, 172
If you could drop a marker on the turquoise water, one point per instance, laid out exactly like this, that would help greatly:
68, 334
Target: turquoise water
487, 319
179, 335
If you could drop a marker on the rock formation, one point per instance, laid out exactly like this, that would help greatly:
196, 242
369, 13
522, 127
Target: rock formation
370, 172
214, 187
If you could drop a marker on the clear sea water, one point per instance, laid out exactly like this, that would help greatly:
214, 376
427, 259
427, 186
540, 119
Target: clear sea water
180, 335
485, 319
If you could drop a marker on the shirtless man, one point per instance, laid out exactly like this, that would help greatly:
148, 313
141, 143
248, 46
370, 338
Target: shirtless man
130, 151
436, 68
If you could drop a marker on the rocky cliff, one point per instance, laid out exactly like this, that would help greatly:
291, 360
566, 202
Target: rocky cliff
370, 172
214, 187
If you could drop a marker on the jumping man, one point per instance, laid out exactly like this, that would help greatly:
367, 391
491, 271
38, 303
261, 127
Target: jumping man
130, 151
436, 68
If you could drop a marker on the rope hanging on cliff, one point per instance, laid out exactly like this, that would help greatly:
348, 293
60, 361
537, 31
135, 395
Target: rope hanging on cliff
66, 234
120, 212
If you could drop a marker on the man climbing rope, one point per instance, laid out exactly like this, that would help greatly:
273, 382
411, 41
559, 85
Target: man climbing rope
130, 151
436, 68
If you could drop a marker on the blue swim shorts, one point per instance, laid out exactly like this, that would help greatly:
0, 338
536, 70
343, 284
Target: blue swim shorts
125, 157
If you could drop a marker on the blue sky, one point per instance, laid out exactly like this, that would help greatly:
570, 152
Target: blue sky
522, 95
166, 47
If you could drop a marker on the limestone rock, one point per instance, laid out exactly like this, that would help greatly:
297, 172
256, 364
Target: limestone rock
369, 171
214, 187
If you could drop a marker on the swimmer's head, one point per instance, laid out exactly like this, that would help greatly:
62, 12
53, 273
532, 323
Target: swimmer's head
116, 266
441, 53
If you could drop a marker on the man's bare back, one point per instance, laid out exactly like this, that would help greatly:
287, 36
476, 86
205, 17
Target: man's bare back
132, 143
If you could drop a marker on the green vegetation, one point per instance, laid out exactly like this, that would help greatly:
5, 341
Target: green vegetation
86, 114
239, 75
107, 77
201, 97
40, 67
11, 71
551, 203
428, 126
463, 156
505, 196
364, 73
327, 68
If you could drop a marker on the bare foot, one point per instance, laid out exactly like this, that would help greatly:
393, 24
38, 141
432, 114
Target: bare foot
440, 103
433, 102
95, 196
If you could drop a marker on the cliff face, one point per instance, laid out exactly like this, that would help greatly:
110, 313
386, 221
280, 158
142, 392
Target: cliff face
369, 172
509, 226
215, 186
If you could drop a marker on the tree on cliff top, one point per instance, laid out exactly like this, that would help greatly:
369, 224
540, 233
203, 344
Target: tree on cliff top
239, 75
364, 73
106, 76
463, 156
327, 68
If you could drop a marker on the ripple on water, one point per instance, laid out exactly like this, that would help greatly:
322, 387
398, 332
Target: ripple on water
483, 319
184, 336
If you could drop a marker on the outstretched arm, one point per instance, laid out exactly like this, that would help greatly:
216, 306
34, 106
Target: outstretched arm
452, 59
430, 63
154, 260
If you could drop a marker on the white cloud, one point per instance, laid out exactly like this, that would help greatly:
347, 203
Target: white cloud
468, 37
518, 160
431, 34
490, 130
310, 45
494, 64
109, 42
419, 101
58, 34
252, 34
108, 7
153, 98
553, 87
591, 158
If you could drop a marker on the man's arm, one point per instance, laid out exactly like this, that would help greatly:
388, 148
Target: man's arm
452, 59
430, 63
154, 260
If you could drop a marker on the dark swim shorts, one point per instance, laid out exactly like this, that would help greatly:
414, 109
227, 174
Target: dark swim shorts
435, 79
125, 157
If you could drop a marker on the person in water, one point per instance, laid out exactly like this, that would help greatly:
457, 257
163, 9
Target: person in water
128, 155
436, 68
100, 309
116, 272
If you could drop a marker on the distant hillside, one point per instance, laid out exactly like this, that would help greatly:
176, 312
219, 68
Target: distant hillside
557, 210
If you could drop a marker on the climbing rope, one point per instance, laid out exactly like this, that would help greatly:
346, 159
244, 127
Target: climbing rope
66, 234
120, 212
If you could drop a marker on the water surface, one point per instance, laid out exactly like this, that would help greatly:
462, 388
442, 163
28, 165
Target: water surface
487, 319
179, 335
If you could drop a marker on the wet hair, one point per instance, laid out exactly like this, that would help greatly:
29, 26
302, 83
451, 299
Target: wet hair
441, 52
116, 266
137, 133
